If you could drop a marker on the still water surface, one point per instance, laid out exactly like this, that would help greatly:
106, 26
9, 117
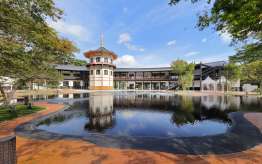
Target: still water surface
147, 114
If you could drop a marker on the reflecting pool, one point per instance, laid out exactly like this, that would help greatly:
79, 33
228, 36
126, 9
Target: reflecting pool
141, 114
154, 121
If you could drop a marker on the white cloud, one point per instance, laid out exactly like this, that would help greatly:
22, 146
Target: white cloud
193, 53
225, 37
125, 39
126, 60
74, 30
171, 43
134, 47
204, 40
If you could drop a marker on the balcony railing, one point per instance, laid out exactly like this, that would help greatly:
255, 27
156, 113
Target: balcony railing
143, 78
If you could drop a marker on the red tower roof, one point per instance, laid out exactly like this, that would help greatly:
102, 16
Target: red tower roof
100, 52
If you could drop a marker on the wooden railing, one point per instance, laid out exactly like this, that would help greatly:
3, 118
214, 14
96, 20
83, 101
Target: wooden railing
160, 78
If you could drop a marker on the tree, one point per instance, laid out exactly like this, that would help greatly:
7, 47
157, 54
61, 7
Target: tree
252, 72
241, 19
78, 62
232, 72
247, 54
29, 47
185, 73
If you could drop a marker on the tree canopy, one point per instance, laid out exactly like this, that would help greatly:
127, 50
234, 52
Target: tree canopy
242, 19
252, 72
78, 62
27, 43
28, 46
247, 54
232, 72
185, 72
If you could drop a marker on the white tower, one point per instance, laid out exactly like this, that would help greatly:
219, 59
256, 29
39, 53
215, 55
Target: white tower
101, 67
101, 113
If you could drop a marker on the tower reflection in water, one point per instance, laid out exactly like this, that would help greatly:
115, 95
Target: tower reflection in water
184, 110
101, 113
144, 114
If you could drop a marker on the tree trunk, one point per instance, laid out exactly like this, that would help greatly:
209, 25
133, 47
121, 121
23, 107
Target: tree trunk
8, 97
3, 94
29, 102
227, 81
260, 90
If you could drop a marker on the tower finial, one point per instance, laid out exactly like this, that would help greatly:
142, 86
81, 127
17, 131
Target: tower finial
102, 43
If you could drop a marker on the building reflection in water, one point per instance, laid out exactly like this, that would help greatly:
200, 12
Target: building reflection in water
105, 110
192, 109
184, 109
101, 113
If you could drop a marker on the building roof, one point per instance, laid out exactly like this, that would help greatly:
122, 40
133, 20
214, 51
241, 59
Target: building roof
216, 64
142, 69
70, 67
84, 68
101, 51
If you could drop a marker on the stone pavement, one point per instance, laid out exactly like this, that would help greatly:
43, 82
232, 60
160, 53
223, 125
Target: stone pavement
30, 151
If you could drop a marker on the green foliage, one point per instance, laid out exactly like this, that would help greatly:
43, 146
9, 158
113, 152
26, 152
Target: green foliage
185, 73
179, 67
232, 72
248, 54
78, 62
20, 110
28, 45
53, 84
241, 19
252, 72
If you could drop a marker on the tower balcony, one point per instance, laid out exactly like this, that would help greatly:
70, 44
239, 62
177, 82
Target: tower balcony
101, 63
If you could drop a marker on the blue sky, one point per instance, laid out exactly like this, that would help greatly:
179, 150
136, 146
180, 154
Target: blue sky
146, 33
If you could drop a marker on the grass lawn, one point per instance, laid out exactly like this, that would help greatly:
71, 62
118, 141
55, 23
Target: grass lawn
21, 110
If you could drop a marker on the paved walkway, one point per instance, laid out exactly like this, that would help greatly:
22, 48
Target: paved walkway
77, 152
7, 127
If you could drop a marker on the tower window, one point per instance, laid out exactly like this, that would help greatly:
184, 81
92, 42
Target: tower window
91, 60
106, 60
98, 59
98, 72
105, 72
111, 72
91, 72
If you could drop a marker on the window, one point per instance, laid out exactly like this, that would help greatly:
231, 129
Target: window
91, 60
147, 74
91, 72
139, 75
111, 72
106, 60
105, 72
65, 83
98, 59
98, 72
